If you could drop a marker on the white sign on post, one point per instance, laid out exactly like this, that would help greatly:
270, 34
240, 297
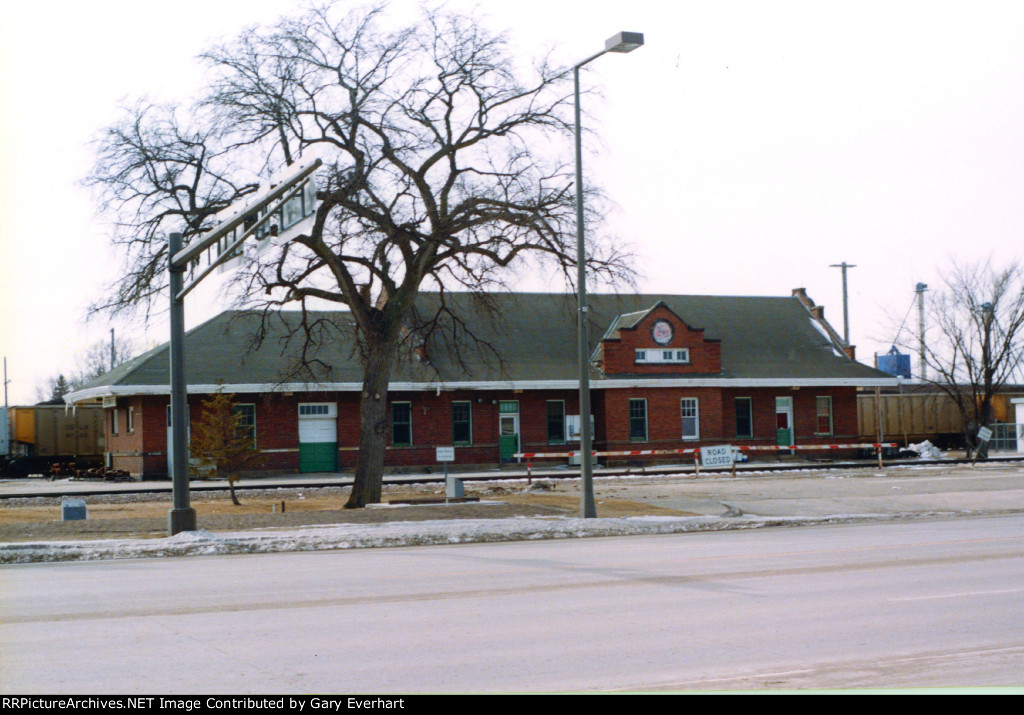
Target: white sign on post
717, 456
445, 454
984, 434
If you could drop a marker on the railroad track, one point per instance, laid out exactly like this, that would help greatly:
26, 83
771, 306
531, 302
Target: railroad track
80, 489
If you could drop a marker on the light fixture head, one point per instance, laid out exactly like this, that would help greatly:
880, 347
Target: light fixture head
624, 42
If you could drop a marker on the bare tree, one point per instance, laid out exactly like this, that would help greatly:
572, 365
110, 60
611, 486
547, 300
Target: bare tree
442, 173
93, 361
975, 337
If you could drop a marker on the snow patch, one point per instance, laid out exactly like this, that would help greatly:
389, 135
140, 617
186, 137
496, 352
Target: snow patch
361, 536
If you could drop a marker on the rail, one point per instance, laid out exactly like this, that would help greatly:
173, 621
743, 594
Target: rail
877, 446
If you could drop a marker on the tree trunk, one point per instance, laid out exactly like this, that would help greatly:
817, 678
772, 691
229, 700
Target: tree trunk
231, 488
374, 424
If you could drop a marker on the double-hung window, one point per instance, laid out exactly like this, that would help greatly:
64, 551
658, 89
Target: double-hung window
462, 423
246, 424
556, 421
744, 417
823, 423
401, 424
691, 418
638, 420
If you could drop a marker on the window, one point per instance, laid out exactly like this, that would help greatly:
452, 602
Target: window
744, 417
677, 356
246, 425
312, 409
638, 420
824, 415
556, 421
691, 418
462, 423
401, 424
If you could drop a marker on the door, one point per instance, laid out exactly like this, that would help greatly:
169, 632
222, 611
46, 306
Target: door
508, 430
784, 432
318, 437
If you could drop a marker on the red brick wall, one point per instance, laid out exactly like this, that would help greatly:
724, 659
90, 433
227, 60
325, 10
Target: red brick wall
844, 414
127, 448
144, 452
664, 417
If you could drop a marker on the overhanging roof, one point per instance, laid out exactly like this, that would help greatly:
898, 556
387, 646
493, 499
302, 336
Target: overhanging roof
512, 340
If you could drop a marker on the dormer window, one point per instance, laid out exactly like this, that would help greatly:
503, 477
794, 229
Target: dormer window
658, 356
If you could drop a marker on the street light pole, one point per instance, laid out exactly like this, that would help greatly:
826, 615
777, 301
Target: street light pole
182, 517
622, 42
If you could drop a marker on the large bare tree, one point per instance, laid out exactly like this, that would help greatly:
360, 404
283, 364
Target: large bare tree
975, 337
442, 171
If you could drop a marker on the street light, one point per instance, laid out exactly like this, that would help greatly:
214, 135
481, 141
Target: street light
622, 42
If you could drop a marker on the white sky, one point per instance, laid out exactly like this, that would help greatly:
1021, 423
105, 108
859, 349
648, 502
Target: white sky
747, 145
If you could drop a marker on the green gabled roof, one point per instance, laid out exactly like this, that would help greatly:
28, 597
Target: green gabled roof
509, 337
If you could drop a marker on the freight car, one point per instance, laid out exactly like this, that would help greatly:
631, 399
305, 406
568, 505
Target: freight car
915, 416
42, 435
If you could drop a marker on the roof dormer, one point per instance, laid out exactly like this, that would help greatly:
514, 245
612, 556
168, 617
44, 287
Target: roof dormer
656, 341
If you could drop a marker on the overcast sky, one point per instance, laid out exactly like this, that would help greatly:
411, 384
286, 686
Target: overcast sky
747, 145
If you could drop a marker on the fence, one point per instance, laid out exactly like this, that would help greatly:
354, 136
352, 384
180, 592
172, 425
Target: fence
1004, 437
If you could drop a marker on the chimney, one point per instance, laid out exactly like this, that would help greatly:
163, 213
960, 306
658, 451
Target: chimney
801, 295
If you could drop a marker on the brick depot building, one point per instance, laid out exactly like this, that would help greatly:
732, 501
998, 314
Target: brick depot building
667, 372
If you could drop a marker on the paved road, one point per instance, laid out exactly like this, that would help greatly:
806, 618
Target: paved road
923, 603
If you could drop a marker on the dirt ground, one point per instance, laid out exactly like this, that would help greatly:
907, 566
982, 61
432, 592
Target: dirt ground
145, 515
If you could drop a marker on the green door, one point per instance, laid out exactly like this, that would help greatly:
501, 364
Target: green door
784, 421
319, 457
508, 430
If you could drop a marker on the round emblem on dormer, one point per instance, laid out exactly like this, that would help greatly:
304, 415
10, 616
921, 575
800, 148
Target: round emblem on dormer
662, 332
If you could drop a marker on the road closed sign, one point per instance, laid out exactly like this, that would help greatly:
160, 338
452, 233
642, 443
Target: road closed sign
717, 456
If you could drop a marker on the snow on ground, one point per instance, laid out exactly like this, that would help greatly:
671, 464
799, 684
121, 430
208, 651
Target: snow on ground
409, 533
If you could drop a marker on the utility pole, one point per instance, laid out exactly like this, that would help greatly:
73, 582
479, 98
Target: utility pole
846, 305
921, 362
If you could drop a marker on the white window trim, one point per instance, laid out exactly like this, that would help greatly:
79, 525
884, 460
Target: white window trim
662, 356
565, 431
831, 413
313, 410
695, 417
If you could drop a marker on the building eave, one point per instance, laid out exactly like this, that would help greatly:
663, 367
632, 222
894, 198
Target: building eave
95, 393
